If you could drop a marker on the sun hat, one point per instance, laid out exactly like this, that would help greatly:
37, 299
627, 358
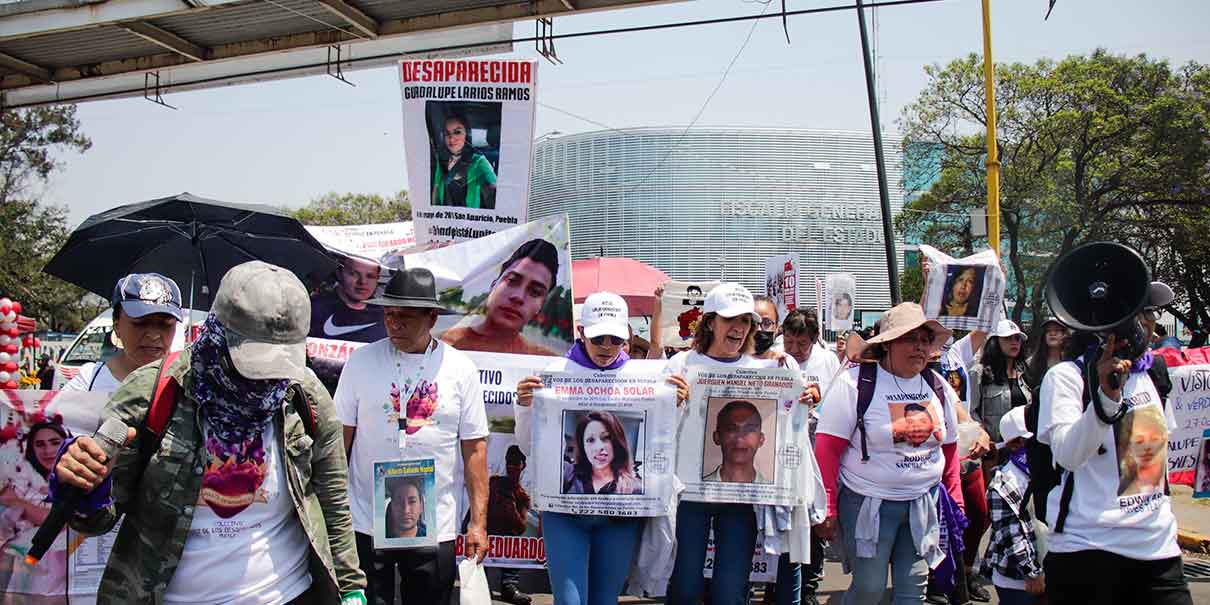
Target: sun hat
605, 314
900, 320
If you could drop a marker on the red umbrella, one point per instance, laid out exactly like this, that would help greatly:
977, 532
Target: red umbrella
633, 280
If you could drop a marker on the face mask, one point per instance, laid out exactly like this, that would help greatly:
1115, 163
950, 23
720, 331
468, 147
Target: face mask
764, 341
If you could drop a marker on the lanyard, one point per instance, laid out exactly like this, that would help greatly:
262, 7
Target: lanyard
411, 384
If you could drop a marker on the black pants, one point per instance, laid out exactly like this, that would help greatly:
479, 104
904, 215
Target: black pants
1104, 578
812, 573
426, 575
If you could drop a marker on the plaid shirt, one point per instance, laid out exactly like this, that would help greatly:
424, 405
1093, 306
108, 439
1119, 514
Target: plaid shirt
1012, 550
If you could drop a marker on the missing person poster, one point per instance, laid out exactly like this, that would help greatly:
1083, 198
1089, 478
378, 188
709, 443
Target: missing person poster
764, 565
1201, 485
839, 294
404, 503
680, 308
741, 438
1189, 402
468, 131
965, 293
605, 442
781, 282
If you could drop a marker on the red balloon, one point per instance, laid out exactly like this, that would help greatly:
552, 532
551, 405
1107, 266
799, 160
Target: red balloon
11, 349
17, 308
10, 366
11, 385
4, 309
37, 344
14, 332
28, 341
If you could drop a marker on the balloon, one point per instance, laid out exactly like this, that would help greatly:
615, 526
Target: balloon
6, 302
14, 333
11, 385
11, 317
17, 308
5, 340
5, 377
28, 341
11, 349
9, 366
37, 343
5, 357
4, 309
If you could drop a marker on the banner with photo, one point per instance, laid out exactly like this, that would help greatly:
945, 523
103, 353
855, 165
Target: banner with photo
965, 293
781, 282
680, 308
369, 241
740, 439
1189, 402
605, 442
840, 295
404, 503
468, 131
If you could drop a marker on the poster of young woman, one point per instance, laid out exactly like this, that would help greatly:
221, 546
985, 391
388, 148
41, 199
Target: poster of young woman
468, 130
680, 308
604, 443
840, 292
742, 437
404, 503
965, 293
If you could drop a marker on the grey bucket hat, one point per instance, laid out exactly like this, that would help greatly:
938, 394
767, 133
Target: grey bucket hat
267, 314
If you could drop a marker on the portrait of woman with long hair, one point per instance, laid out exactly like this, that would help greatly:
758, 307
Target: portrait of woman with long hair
603, 463
963, 289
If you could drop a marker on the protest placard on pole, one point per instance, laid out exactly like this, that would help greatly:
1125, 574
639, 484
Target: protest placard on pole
965, 293
741, 439
840, 294
680, 309
468, 130
622, 429
781, 282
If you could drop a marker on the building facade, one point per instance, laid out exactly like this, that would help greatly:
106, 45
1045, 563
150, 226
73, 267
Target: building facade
714, 203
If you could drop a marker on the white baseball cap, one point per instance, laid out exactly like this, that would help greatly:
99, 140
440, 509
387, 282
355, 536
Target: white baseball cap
1012, 425
1006, 328
605, 314
731, 300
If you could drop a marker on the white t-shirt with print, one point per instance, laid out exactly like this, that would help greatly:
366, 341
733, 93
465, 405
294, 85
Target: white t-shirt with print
369, 396
684, 359
247, 553
905, 428
93, 376
1112, 507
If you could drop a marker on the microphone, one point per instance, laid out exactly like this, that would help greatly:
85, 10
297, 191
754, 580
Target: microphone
111, 437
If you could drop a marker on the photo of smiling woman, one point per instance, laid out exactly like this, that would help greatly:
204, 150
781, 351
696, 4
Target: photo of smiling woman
462, 175
405, 509
963, 290
603, 461
23, 490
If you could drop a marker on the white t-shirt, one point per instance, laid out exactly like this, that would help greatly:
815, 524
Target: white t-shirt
678, 362
368, 397
251, 549
93, 376
905, 428
820, 369
956, 363
1112, 507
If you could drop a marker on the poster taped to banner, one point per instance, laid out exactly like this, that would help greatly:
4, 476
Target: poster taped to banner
468, 131
622, 428
840, 294
1189, 402
680, 308
781, 282
404, 503
741, 439
369, 241
965, 293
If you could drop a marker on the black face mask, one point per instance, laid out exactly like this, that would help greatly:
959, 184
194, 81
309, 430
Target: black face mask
764, 341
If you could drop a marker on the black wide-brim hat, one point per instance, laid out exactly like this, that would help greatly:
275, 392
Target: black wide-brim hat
413, 288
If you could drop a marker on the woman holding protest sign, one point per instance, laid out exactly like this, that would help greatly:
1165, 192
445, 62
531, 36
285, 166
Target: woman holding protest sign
589, 556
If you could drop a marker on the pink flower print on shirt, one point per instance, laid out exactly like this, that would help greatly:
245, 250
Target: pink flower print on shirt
421, 406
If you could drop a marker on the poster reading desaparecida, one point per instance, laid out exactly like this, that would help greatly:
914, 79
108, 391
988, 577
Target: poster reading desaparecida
680, 308
604, 442
404, 503
965, 293
740, 440
468, 130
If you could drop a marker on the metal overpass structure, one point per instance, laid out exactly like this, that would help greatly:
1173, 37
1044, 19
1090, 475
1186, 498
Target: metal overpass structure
70, 51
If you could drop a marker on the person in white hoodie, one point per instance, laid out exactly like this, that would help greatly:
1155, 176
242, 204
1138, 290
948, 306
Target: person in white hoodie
589, 556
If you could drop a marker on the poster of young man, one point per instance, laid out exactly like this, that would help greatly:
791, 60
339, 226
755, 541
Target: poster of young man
741, 440
680, 309
604, 442
966, 293
840, 292
404, 504
468, 129
781, 282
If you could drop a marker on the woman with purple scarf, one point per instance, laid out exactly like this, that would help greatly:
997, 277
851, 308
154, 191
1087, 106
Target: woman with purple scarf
590, 555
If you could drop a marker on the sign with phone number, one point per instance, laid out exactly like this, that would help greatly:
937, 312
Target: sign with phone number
764, 566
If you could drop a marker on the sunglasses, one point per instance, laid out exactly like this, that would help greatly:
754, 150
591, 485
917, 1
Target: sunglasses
612, 341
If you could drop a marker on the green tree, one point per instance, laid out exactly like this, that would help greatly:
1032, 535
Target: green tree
354, 209
30, 231
1091, 147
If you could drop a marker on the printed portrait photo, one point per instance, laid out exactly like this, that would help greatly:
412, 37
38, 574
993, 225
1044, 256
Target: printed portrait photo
602, 452
1201, 483
404, 514
741, 440
1142, 447
963, 291
842, 306
465, 140
913, 424
404, 504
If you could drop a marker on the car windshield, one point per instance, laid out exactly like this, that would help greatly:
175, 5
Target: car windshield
94, 345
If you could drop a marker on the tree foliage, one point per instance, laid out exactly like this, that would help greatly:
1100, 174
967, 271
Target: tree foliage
1098, 147
354, 209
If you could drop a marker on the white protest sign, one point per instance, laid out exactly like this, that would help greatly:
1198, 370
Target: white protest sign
841, 292
680, 309
781, 282
965, 293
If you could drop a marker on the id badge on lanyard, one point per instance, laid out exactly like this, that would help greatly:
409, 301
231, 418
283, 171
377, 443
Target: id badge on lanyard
411, 385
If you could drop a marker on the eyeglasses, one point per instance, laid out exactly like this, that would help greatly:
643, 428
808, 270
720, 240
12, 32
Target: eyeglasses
604, 340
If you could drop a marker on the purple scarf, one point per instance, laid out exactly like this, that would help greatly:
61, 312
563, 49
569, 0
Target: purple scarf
1142, 364
1020, 461
953, 523
579, 354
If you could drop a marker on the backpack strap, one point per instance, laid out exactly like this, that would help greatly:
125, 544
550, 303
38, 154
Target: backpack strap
938, 385
163, 399
866, 377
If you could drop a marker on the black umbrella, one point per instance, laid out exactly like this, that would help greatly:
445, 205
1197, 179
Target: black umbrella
190, 239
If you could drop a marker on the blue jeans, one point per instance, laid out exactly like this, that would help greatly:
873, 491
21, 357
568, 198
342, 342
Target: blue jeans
909, 572
789, 581
1012, 596
576, 544
734, 541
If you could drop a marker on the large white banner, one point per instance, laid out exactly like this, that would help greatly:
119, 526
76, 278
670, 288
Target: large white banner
468, 131
965, 293
370, 241
840, 294
781, 282
680, 308
741, 437
622, 428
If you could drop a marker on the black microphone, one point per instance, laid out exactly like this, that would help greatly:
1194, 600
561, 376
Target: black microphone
111, 437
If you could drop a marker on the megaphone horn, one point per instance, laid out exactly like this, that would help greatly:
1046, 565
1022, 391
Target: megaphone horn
1098, 286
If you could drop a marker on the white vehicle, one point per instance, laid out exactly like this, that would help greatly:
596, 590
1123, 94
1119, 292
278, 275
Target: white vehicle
96, 343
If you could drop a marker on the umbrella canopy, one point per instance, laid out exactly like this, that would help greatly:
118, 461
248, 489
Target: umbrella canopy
633, 280
192, 240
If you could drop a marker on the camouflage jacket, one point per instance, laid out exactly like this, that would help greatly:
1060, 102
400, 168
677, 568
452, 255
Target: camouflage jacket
156, 501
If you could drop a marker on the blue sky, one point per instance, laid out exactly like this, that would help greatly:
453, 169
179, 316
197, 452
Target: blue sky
286, 142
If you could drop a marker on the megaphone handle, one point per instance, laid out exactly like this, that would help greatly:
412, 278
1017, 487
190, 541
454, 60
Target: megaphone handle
1115, 381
